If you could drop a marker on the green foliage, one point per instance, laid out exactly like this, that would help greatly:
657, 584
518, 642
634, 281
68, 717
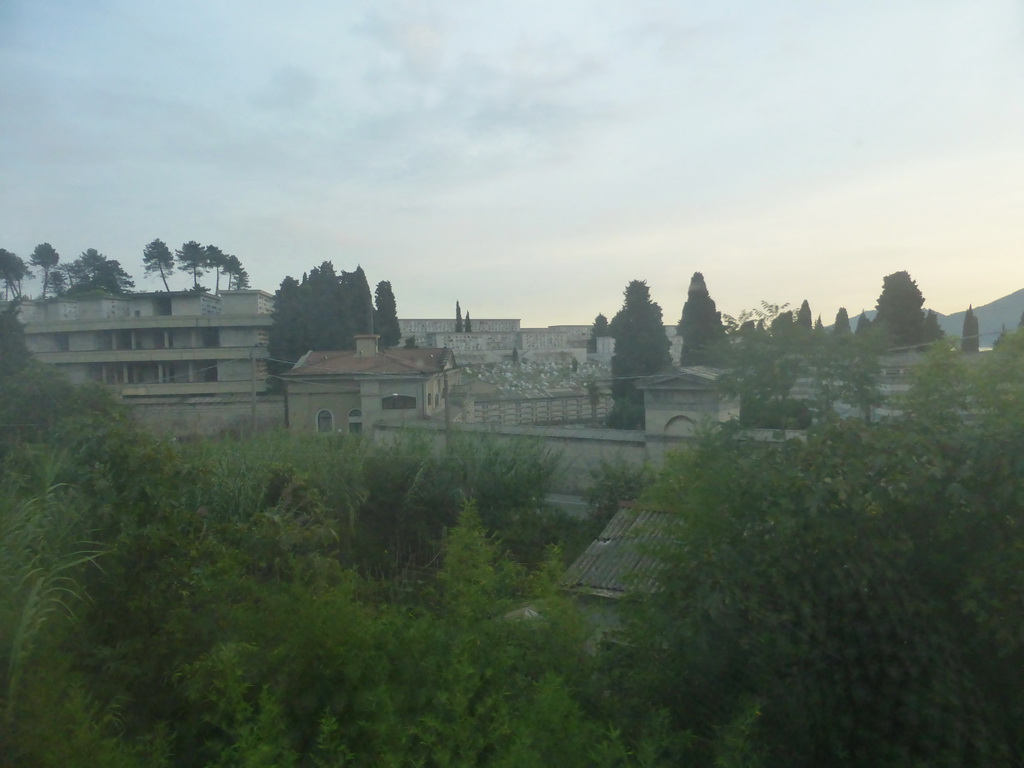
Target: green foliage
970, 336
844, 601
158, 260
842, 322
13, 271
324, 312
14, 354
597, 330
613, 483
93, 272
386, 316
641, 349
45, 257
700, 325
899, 312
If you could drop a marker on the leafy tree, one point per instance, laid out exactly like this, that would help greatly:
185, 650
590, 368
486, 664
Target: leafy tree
458, 318
469, 324
969, 337
12, 272
598, 330
93, 271
158, 260
899, 311
192, 258
323, 312
45, 257
842, 323
641, 347
839, 590
818, 325
803, 316
387, 315
700, 325
14, 354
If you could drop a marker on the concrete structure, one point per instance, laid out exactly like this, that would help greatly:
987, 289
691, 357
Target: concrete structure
155, 344
678, 405
492, 340
357, 390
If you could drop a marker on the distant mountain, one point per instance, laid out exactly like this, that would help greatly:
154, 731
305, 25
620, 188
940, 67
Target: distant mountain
992, 318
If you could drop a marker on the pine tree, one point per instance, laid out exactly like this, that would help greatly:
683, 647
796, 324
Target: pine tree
969, 341
191, 258
818, 325
158, 259
458, 318
45, 257
12, 271
700, 325
386, 321
842, 323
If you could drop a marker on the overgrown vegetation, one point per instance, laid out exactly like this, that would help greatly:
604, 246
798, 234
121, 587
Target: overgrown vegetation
851, 599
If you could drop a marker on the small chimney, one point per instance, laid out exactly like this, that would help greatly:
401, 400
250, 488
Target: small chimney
366, 344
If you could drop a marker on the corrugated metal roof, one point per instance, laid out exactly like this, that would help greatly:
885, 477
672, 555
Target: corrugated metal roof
621, 559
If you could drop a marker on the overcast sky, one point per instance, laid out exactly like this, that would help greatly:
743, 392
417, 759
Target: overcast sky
529, 158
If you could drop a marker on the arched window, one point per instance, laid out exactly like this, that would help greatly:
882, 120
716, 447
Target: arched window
397, 402
355, 421
324, 421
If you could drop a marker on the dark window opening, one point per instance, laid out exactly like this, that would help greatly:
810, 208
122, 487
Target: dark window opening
397, 402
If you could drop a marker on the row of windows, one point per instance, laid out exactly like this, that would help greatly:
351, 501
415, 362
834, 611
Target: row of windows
325, 419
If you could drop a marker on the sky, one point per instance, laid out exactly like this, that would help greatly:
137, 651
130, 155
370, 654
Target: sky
529, 158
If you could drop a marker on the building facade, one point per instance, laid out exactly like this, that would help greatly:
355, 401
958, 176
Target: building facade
155, 344
355, 390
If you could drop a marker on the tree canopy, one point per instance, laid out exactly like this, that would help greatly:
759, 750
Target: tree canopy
899, 312
93, 271
641, 349
386, 323
158, 260
45, 257
700, 325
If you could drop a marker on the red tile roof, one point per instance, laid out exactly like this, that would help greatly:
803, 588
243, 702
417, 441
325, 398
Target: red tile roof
399, 360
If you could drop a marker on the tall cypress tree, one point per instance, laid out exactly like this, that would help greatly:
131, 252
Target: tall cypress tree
863, 323
803, 317
641, 349
842, 324
468, 324
386, 317
458, 318
969, 341
700, 325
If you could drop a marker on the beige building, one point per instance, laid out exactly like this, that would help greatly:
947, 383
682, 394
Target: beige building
355, 390
155, 344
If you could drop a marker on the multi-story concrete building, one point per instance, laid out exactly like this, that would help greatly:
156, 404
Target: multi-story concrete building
154, 344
